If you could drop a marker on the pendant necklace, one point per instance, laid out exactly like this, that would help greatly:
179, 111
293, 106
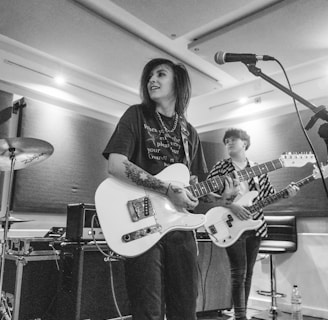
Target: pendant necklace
163, 124
167, 131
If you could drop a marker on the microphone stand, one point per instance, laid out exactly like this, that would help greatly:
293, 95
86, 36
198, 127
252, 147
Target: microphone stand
323, 133
4, 243
319, 112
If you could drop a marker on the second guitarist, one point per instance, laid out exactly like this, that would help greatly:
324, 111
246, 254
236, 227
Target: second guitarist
242, 254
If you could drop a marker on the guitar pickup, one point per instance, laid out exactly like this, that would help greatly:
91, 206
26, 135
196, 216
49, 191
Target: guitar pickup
140, 208
212, 229
141, 233
229, 220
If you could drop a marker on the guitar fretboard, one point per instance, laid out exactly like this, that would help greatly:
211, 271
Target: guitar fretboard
217, 183
277, 196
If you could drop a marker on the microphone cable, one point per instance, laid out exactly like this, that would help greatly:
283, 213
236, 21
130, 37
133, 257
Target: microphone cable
303, 129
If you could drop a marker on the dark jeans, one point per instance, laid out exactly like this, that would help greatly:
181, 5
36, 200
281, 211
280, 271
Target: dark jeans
164, 279
242, 257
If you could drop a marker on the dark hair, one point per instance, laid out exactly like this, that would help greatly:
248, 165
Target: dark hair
237, 133
182, 84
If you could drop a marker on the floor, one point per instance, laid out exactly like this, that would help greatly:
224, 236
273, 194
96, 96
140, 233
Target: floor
253, 314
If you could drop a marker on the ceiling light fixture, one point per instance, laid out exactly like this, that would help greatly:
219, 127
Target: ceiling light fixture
243, 100
252, 99
66, 82
60, 80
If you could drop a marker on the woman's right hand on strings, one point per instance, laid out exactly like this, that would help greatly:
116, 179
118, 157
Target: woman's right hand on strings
181, 197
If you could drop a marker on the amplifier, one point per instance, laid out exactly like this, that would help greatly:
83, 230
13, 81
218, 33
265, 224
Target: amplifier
90, 287
80, 218
214, 280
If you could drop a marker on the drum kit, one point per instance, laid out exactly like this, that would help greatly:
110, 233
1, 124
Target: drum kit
15, 154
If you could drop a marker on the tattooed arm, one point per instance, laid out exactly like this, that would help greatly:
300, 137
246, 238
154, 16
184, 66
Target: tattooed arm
120, 167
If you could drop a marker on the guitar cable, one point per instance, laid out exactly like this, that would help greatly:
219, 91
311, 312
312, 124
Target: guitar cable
107, 258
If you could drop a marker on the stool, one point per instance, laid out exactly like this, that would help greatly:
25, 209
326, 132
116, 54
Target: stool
282, 238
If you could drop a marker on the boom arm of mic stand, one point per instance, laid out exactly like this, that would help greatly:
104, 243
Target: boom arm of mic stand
319, 112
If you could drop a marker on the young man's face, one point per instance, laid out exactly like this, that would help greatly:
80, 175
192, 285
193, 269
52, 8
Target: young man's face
235, 145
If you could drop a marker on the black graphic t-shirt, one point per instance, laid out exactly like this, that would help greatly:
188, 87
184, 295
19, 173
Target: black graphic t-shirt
140, 136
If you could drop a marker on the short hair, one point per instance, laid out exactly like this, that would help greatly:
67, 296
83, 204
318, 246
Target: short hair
182, 84
237, 133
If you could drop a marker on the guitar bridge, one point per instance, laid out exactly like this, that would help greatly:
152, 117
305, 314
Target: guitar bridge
141, 233
212, 229
140, 208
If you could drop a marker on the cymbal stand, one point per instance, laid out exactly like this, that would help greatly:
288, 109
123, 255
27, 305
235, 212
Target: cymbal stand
4, 243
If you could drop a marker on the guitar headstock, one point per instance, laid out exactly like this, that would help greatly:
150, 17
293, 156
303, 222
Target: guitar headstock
316, 173
297, 159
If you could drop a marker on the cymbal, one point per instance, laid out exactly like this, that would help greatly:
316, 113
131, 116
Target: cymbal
27, 151
12, 220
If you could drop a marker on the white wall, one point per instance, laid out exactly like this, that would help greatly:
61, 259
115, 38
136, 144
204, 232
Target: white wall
307, 267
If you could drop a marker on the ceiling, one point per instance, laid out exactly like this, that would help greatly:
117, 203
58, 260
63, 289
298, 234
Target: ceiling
101, 46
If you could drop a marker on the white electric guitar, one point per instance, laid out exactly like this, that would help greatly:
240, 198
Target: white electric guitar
224, 228
133, 218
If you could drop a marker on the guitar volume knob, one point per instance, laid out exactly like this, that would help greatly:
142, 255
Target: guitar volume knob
126, 237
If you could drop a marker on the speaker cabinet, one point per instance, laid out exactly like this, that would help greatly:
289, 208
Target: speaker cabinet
85, 284
30, 286
214, 284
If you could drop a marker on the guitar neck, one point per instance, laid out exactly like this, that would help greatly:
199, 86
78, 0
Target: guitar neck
217, 183
277, 196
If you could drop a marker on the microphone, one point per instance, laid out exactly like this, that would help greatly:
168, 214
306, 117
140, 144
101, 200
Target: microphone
224, 57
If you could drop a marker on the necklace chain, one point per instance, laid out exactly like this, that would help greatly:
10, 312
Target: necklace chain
163, 124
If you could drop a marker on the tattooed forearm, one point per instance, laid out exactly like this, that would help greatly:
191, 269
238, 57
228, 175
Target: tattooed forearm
142, 178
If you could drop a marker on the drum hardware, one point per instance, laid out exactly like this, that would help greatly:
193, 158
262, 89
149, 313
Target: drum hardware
11, 220
15, 154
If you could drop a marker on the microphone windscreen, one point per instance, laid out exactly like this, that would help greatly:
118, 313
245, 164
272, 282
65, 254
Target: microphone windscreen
219, 57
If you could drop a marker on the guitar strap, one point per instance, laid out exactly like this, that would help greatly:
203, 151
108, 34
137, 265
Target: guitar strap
255, 179
185, 135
